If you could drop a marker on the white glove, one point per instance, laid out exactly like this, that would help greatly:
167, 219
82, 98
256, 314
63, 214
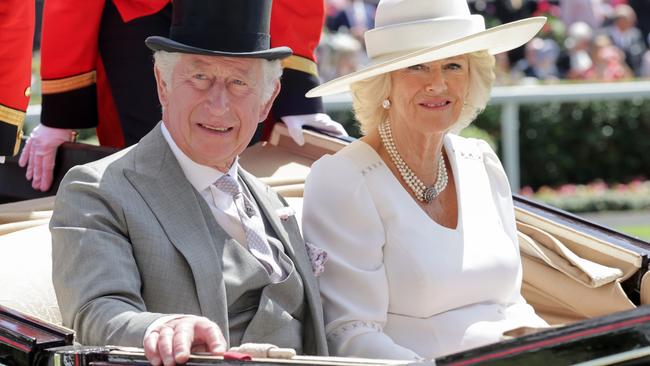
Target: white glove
319, 121
39, 154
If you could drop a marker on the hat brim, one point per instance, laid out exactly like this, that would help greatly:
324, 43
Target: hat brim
158, 43
499, 39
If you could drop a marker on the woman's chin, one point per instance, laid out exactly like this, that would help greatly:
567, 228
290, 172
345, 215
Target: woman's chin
432, 126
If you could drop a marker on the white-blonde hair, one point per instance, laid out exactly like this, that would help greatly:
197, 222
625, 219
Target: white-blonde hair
368, 94
166, 61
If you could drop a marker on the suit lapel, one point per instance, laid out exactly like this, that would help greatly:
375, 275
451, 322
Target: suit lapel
294, 245
162, 184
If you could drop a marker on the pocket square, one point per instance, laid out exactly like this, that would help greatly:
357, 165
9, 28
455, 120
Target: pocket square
285, 212
318, 257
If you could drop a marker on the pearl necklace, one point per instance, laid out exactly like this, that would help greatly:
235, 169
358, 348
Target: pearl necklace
422, 193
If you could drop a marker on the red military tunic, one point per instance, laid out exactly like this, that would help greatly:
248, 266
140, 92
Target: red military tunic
16, 37
75, 88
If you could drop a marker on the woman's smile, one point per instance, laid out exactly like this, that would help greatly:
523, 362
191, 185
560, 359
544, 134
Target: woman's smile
435, 104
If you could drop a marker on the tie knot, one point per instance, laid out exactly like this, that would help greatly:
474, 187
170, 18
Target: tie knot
228, 184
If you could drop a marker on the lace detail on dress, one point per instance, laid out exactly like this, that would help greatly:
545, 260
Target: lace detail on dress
353, 325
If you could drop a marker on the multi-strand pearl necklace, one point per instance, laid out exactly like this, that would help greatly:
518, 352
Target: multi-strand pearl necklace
422, 192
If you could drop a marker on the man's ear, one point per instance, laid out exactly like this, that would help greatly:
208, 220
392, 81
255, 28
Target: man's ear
161, 86
267, 106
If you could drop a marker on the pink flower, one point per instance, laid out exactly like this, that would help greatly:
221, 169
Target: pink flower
567, 189
526, 191
620, 187
598, 186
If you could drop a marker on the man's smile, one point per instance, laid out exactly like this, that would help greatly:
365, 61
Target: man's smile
215, 128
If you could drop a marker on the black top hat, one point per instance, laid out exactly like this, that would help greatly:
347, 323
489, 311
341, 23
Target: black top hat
238, 28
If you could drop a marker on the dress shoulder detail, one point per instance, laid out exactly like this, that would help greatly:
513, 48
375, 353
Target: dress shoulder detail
466, 148
363, 156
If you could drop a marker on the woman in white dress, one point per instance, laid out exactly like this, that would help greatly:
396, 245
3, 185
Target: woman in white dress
418, 222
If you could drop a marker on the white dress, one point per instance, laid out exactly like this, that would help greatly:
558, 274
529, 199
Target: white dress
397, 284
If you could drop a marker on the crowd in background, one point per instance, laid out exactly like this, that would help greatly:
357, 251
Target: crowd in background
591, 40
585, 40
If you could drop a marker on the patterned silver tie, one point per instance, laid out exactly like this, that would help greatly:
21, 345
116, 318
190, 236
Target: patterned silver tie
258, 245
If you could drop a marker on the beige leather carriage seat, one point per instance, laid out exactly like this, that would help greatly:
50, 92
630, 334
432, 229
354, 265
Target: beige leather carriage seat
568, 276
571, 276
25, 259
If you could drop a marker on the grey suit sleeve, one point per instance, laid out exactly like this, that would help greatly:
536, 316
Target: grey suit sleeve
95, 274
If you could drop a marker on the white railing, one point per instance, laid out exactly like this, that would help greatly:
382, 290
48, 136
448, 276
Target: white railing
33, 110
510, 97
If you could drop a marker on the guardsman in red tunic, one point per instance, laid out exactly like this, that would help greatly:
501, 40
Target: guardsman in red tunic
96, 72
298, 24
89, 45
16, 37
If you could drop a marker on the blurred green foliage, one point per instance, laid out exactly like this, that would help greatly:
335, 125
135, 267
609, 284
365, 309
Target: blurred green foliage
579, 143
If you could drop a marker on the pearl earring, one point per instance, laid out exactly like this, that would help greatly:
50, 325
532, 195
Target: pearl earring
385, 104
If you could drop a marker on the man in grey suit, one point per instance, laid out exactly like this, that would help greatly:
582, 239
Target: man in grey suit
169, 244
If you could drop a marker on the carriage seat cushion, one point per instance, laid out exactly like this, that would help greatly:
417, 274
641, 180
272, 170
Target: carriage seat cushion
26, 273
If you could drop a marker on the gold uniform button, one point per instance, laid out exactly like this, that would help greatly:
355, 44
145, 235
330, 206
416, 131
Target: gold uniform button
28, 91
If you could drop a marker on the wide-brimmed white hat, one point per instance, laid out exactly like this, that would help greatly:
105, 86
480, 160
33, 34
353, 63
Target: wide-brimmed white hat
411, 32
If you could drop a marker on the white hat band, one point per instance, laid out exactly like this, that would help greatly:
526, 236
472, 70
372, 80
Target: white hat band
420, 34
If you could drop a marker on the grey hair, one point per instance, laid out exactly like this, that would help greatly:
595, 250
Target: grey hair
166, 61
272, 71
368, 94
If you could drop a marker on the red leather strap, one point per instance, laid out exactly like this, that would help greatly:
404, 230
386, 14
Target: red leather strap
236, 356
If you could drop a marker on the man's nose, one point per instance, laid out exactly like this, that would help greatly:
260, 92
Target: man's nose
436, 82
217, 99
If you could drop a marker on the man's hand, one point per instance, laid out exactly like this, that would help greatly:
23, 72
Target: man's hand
39, 154
172, 342
319, 121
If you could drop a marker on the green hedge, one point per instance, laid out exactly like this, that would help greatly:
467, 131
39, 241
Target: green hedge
579, 142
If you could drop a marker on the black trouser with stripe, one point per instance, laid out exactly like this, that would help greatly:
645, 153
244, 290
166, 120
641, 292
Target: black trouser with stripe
129, 68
